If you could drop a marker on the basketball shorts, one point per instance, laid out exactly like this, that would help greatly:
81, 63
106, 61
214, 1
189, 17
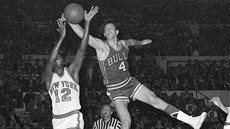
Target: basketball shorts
74, 121
127, 91
227, 125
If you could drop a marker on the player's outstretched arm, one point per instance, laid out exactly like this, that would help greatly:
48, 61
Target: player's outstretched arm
49, 66
134, 42
76, 65
93, 42
217, 102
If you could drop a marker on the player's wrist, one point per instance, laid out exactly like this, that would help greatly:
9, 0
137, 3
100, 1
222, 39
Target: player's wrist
87, 21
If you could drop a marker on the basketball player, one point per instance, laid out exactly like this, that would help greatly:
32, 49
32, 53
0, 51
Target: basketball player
112, 55
107, 121
217, 102
62, 83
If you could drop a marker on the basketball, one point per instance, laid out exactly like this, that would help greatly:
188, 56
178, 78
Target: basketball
74, 13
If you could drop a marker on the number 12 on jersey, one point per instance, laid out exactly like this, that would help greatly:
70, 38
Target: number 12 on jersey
64, 97
122, 66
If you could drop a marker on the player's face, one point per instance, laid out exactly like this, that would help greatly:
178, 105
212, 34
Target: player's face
58, 65
59, 61
110, 31
106, 111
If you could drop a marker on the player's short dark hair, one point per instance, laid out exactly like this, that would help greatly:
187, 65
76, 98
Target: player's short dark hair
102, 28
106, 22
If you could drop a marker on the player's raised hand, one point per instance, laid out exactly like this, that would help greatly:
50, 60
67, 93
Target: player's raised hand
146, 41
61, 27
93, 11
62, 17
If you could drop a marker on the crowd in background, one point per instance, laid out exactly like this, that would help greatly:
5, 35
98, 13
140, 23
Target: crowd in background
22, 87
177, 28
197, 27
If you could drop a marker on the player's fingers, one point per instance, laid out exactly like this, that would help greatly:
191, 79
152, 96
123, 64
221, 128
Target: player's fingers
58, 22
61, 19
95, 11
92, 8
96, 8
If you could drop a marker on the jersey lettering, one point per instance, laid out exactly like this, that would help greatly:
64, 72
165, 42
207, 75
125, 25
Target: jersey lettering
67, 92
115, 67
117, 57
64, 84
64, 93
122, 66
56, 96
65, 97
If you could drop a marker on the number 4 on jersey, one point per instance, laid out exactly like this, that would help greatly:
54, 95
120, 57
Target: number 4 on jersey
122, 66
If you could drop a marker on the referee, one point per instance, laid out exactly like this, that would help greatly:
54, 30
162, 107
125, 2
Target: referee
107, 122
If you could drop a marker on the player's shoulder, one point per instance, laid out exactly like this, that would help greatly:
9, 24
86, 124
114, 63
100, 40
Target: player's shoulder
228, 108
47, 77
103, 44
69, 70
123, 42
100, 41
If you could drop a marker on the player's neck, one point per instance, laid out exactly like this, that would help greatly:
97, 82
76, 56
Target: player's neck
60, 72
113, 43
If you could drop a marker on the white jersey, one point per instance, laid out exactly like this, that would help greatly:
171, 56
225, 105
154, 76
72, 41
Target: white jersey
228, 117
64, 92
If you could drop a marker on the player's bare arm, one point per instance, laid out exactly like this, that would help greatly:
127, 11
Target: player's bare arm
76, 65
47, 75
134, 42
94, 42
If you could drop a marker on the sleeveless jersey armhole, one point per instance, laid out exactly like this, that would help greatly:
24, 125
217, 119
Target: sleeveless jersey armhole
123, 43
109, 48
67, 72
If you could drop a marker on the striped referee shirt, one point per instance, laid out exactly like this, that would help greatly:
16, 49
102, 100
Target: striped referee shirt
112, 124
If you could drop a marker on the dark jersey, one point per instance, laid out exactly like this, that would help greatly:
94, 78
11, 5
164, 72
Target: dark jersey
115, 68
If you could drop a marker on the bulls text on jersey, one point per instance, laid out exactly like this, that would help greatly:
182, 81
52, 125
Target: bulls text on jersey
117, 57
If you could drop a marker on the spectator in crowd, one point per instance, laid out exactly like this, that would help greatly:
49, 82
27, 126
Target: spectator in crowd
12, 120
3, 122
29, 100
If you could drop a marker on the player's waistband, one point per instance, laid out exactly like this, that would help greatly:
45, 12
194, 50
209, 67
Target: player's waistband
66, 114
227, 123
119, 85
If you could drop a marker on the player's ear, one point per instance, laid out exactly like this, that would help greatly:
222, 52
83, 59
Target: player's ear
117, 31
